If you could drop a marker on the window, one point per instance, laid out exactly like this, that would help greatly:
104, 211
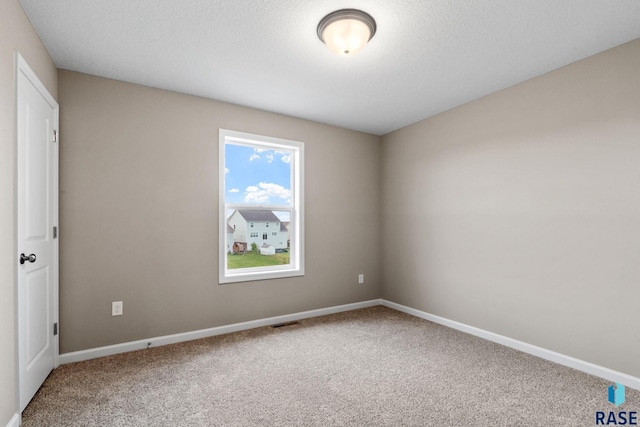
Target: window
261, 183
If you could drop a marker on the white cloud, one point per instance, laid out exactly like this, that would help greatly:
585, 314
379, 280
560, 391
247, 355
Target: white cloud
264, 192
226, 171
234, 190
286, 158
256, 155
283, 216
269, 157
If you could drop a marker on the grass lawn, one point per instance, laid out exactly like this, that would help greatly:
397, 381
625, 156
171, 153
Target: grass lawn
251, 259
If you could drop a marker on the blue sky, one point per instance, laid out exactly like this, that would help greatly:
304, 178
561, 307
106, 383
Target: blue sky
257, 176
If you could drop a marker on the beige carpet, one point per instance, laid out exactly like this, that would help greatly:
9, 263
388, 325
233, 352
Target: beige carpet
369, 367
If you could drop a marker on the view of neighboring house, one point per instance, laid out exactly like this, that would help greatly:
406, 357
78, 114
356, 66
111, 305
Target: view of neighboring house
230, 239
284, 228
263, 228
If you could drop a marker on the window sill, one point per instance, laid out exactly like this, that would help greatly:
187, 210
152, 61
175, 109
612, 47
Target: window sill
260, 274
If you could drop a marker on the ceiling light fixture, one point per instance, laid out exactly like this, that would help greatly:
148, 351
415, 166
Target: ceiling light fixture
346, 31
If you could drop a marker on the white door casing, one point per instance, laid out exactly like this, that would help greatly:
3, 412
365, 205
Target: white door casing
37, 215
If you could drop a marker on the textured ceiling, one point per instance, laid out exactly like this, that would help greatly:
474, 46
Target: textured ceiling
426, 57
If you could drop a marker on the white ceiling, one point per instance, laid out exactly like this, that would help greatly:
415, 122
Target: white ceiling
427, 56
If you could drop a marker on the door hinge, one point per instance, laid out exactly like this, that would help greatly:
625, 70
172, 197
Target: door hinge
55, 232
55, 329
55, 135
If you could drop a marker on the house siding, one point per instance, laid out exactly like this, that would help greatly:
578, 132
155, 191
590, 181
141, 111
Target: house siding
244, 229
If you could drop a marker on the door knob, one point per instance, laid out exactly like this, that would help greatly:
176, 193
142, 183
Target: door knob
24, 258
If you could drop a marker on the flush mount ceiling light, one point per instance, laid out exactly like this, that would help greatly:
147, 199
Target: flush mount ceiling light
346, 31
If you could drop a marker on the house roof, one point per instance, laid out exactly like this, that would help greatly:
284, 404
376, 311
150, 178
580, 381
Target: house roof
283, 227
258, 216
230, 229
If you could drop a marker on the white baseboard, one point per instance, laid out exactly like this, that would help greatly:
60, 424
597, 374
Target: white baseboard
571, 362
14, 421
561, 359
93, 353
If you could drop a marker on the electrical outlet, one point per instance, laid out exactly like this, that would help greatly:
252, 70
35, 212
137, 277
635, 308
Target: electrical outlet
116, 308
360, 278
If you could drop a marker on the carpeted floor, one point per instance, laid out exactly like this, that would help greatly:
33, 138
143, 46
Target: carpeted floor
369, 367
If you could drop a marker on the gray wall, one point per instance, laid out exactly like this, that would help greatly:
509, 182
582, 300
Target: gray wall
519, 213
139, 214
16, 33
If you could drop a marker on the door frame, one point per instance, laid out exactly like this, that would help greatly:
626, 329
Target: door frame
22, 68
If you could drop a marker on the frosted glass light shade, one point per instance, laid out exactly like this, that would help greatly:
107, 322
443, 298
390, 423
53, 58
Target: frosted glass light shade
346, 31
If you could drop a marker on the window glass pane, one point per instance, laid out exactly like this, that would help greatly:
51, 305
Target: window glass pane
255, 249
257, 175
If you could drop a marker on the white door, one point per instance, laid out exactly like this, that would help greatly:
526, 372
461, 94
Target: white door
37, 251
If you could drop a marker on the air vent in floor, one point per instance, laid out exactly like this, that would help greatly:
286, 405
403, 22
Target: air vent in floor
280, 325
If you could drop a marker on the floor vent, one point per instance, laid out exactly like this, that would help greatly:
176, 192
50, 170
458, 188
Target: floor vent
280, 325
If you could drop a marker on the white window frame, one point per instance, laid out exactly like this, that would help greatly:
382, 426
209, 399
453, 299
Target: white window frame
296, 249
